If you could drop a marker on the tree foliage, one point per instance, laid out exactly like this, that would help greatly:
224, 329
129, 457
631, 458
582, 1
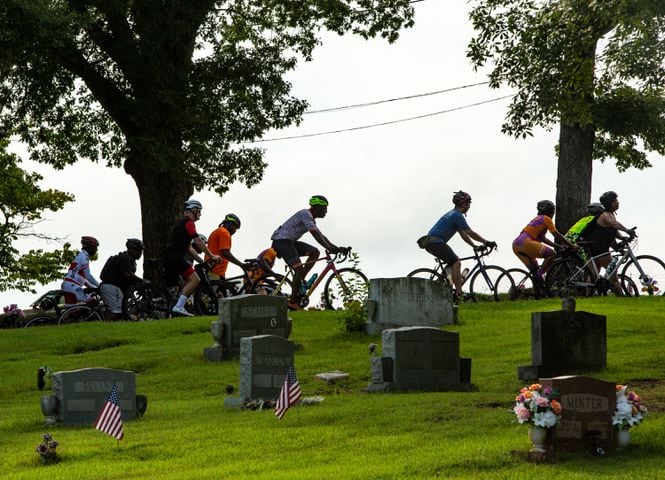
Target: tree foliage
22, 204
179, 84
546, 49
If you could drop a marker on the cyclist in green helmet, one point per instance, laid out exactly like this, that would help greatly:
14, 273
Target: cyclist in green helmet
287, 244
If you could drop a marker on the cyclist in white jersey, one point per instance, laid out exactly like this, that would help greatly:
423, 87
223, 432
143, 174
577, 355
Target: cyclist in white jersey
79, 276
285, 241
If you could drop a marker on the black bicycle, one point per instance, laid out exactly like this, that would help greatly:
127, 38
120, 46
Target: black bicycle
485, 281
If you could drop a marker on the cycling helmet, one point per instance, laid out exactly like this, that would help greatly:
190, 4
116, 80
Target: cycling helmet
89, 242
318, 200
607, 198
595, 208
545, 207
134, 243
202, 237
232, 218
191, 204
460, 198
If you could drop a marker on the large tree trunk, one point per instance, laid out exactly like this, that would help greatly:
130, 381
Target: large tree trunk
162, 195
574, 172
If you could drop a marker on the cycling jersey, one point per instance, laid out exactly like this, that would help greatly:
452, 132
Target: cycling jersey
538, 227
182, 235
449, 224
265, 260
296, 226
579, 227
79, 271
529, 242
78, 276
219, 240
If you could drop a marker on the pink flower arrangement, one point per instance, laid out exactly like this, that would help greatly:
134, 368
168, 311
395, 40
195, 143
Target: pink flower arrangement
12, 309
538, 405
629, 410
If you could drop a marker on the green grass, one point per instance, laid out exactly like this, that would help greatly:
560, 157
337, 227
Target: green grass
187, 433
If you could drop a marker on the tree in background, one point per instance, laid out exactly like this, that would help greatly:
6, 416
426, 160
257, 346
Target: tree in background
22, 204
594, 67
168, 89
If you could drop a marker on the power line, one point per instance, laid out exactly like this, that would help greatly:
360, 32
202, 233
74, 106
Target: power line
408, 97
391, 122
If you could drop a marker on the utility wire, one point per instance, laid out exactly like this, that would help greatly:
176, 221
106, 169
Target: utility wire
408, 97
391, 122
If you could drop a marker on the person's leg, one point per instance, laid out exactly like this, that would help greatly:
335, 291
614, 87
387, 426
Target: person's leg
456, 270
445, 253
286, 249
191, 282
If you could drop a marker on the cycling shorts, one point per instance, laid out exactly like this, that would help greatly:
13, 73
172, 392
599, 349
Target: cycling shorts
73, 293
112, 297
524, 245
175, 264
291, 251
443, 251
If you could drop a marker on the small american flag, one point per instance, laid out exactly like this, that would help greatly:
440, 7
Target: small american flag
110, 418
290, 393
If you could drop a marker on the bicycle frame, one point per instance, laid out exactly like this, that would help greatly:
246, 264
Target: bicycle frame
330, 266
478, 265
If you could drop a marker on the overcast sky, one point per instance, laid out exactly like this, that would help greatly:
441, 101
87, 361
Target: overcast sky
386, 185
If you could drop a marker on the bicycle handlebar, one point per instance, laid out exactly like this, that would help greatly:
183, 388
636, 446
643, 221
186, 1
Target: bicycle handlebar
486, 249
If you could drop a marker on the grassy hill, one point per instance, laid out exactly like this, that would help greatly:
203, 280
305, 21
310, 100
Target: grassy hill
187, 433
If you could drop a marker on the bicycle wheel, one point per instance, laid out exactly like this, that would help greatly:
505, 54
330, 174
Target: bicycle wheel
428, 274
347, 285
628, 286
652, 282
480, 289
41, 321
557, 279
141, 303
78, 314
272, 284
206, 300
523, 285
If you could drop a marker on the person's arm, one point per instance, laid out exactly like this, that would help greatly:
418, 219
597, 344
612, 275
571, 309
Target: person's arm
204, 248
323, 241
562, 240
231, 258
607, 219
469, 234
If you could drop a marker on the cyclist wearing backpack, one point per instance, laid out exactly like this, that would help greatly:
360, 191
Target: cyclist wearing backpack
603, 230
285, 241
453, 221
583, 226
219, 243
78, 276
118, 274
179, 246
532, 242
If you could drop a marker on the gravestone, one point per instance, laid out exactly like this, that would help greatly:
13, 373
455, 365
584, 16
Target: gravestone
587, 407
81, 394
420, 358
246, 316
565, 342
264, 363
408, 302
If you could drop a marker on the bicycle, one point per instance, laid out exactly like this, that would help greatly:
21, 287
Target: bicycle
342, 285
48, 301
485, 281
93, 310
209, 292
640, 273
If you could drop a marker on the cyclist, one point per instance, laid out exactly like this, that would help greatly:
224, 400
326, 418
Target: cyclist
582, 225
219, 243
78, 276
532, 242
118, 274
177, 249
603, 230
263, 264
285, 241
453, 221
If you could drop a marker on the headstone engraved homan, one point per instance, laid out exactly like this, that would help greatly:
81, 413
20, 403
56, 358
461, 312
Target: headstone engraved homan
565, 342
81, 394
264, 363
587, 407
247, 316
408, 302
420, 358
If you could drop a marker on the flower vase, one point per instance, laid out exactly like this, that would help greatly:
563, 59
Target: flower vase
537, 435
623, 438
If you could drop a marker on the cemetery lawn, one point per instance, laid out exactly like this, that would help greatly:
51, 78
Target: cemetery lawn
186, 432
